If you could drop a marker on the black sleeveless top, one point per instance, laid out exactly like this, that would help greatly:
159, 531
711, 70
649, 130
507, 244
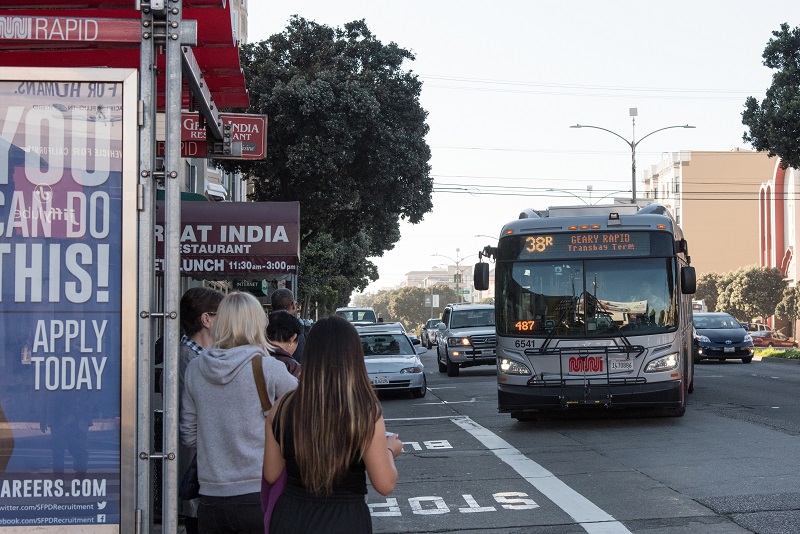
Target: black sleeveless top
353, 482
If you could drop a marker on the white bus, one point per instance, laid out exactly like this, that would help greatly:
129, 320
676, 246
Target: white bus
593, 309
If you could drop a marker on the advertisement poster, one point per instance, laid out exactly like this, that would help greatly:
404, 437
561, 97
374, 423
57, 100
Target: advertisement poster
60, 305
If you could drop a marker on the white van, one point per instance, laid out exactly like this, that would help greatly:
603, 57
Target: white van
699, 306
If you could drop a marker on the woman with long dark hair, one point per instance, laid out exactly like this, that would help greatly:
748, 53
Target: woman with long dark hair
329, 434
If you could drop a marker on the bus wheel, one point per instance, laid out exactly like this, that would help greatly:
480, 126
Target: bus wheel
452, 368
524, 416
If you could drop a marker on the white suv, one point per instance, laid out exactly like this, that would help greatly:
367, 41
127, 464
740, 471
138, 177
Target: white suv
466, 337
358, 315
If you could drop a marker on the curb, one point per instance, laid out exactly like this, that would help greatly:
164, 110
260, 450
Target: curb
781, 360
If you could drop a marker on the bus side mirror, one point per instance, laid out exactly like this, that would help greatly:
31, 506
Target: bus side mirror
688, 280
481, 276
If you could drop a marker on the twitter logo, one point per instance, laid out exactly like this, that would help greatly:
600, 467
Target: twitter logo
101, 505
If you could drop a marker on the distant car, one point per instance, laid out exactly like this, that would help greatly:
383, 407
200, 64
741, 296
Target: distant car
428, 334
392, 359
766, 338
756, 327
358, 315
718, 336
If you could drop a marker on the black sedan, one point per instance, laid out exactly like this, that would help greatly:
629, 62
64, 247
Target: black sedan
718, 336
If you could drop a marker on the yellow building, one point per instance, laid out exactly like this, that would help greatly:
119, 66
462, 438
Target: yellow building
714, 196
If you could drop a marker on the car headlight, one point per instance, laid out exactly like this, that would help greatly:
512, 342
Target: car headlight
411, 370
458, 342
748, 338
703, 339
511, 367
664, 363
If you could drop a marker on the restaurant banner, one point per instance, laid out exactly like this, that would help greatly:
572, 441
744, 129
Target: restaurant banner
223, 240
61, 210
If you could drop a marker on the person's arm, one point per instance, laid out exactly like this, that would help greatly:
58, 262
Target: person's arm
273, 460
188, 417
379, 459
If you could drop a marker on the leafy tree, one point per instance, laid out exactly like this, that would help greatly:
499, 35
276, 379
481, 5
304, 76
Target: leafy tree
708, 290
346, 138
407, 304
774, 124
789, 307
329, 270
751, 292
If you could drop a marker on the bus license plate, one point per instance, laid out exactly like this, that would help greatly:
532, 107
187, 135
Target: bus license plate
729, 349
620, 365
378, 380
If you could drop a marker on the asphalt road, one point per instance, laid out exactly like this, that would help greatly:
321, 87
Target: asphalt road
730, 465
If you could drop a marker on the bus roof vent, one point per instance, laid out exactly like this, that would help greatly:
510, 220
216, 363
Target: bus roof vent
657, 209
528, 213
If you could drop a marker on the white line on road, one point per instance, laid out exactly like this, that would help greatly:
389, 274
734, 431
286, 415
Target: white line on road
582, 510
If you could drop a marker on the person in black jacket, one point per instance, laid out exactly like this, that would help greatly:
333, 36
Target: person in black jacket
283, 299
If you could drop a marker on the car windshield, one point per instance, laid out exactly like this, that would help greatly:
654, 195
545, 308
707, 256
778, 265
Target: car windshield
469, 318
358, 316
386, 344
714, 322
433, 323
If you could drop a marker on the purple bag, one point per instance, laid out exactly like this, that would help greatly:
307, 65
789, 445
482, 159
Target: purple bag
269, 496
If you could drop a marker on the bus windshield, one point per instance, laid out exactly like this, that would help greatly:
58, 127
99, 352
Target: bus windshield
577, 298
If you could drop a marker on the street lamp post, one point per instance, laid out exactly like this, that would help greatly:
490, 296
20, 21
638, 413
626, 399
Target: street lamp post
633, 143
457, 263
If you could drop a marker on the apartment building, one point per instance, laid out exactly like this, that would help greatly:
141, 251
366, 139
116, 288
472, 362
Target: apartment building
714, 196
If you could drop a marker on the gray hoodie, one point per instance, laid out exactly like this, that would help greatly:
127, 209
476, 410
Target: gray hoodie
221, 416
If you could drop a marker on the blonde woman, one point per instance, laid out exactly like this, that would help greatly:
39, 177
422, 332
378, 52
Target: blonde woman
329, 434
221, 416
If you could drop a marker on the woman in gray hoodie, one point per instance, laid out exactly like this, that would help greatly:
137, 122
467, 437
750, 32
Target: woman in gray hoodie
221, 416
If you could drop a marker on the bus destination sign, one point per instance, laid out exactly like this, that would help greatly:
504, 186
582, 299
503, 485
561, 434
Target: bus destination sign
585, 244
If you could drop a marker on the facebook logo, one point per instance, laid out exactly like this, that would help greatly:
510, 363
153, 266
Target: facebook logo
101, 518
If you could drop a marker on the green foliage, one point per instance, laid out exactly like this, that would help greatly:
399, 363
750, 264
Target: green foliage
708, 290
407, 304
329, 271
789, 306
346, 138
774, 123
750, 292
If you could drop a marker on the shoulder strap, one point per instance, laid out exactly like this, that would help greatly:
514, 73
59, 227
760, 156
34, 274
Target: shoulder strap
261, 384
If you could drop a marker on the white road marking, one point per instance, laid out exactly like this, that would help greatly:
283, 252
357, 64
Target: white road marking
588, 515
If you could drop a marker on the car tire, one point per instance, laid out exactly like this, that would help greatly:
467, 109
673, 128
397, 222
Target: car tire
428, 344
747, 360
770, 345
452, 368
419, 393
794, 345
442, 365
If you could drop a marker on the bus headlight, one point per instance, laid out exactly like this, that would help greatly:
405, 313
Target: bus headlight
511, 367
664, 363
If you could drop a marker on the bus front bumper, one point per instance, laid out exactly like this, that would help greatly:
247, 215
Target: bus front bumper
514, 398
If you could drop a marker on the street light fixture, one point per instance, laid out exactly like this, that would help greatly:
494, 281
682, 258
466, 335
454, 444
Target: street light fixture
633, 143
457, 263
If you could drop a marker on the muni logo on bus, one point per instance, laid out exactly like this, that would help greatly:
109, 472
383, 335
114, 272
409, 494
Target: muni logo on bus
588, 364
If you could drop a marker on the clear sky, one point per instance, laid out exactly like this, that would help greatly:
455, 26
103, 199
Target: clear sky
504, 80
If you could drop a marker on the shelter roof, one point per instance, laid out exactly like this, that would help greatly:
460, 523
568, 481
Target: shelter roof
116, 31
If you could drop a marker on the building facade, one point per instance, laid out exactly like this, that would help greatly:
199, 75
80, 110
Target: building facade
714, 196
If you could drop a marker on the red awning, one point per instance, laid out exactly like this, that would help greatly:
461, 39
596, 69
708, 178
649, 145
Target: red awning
107, 33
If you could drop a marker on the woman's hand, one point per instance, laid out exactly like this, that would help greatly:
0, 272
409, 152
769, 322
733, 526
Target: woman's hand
394, 444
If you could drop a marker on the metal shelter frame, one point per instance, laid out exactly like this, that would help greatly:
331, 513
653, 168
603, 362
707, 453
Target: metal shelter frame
186, 59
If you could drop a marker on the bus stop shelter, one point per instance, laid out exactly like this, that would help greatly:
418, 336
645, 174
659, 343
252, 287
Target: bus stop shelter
104, 68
